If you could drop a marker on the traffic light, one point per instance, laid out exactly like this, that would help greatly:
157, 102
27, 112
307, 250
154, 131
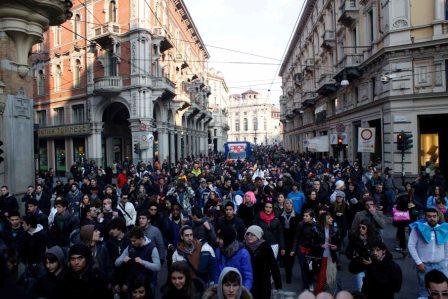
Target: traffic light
340, 140
400, 141
1, 152
137, 148
408, 141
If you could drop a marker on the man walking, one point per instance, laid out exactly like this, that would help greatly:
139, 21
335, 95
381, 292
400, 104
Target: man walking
428, 246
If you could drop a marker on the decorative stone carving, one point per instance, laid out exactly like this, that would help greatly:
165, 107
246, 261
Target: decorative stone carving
400, 23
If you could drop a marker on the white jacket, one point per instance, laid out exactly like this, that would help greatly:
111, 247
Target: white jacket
129, 213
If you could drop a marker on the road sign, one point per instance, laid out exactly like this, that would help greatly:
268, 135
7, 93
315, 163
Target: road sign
366, 140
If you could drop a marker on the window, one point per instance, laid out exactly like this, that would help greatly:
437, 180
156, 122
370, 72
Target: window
255, 123
78, 114
112, 11
41, 116
371, 25
40, 83
215, 131
77, 74
373, 88
57, 78
245, 124
58, 118
57, 35
77, 26
265, 124
237, 125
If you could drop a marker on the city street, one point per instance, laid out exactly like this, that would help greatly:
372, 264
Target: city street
347, 280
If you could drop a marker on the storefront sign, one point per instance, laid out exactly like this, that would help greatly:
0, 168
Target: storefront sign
366, 140
69, 130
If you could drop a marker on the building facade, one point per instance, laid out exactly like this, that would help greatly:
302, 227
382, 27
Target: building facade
22, 24
121, 80
369, 64
253, 118
219, 107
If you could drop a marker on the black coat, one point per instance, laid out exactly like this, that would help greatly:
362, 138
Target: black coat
247, 214
263, 266
335, 239
33, 247
307, 236
8, 203
49, 286
273, 232
289, 234
383, 279
89, 285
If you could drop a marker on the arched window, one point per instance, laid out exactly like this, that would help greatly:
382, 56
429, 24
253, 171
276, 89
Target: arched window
255, 123
77, 73
112, 11
57, 78
57, 35
40, 83
77, 26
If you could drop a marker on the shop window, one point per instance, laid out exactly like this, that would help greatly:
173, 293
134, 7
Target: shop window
79, 150
60, 157
43, 155
429, 148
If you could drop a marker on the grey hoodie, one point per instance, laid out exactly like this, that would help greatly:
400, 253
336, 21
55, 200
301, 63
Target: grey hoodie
58, 253
221, 276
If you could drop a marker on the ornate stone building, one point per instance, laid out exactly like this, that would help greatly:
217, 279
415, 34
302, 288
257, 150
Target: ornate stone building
369, 64
219, 106
22, 24
121, 80
253, 118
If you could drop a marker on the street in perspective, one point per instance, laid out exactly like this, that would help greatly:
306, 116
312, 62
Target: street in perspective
223, 149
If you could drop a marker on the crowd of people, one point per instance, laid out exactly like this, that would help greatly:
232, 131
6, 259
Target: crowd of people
222, 229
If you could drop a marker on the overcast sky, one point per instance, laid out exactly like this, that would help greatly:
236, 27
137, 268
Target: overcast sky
257, 26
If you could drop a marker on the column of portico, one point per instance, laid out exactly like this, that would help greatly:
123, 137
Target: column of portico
94, 151
172, 136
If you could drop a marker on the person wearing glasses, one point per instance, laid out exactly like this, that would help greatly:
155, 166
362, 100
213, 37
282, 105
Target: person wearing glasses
371, 215
437, 284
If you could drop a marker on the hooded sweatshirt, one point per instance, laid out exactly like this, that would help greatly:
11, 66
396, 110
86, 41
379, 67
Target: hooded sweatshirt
215, 291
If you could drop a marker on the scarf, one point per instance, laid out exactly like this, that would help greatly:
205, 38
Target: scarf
231, 249
287, 217
440, 231
267, 218
252, 247
192, 254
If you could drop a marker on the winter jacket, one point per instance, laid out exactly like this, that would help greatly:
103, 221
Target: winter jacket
43, 202
263, 266
247, 214
34, 244
88, 285
212, 293
185, 199
382, 279
240, 260
205, 269
335, 239
154, 234
129, 212
49, 285
376, 219
63, 225
273, 232
298, 200
200, 232
8, 203
306, 238
289, 231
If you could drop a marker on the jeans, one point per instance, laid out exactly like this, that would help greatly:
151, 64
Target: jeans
359, 280
441, 266
390, 196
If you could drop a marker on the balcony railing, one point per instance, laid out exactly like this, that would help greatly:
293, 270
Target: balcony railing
104, 33
351, 60
108, 85
166, 39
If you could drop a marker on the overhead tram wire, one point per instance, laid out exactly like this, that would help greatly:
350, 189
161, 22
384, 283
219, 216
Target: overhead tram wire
289, 40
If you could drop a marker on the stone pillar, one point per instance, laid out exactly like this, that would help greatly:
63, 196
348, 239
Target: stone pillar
439, 16
94, 150
180, 150
163, 144
172, 147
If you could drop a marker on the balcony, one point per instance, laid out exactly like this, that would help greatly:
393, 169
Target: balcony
297, 103
104, 35
349, 66
308, 99
298, 79
326, 85
165, 39
349, 12
109, 85
164, 86
328, 39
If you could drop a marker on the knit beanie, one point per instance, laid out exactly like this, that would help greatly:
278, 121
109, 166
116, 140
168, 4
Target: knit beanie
86, 233
256, 231
80, 249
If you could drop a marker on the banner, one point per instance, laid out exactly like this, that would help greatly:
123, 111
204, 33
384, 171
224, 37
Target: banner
366, 140
319, 144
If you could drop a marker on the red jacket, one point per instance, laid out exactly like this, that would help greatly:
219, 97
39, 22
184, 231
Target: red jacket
121, 180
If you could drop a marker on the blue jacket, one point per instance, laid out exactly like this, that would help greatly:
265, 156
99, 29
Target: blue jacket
298, 200
431, 202
240, 260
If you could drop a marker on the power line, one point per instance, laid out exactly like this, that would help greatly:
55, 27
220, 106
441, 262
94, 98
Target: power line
290, 38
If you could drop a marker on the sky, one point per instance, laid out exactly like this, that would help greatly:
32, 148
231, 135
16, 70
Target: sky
261, 27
